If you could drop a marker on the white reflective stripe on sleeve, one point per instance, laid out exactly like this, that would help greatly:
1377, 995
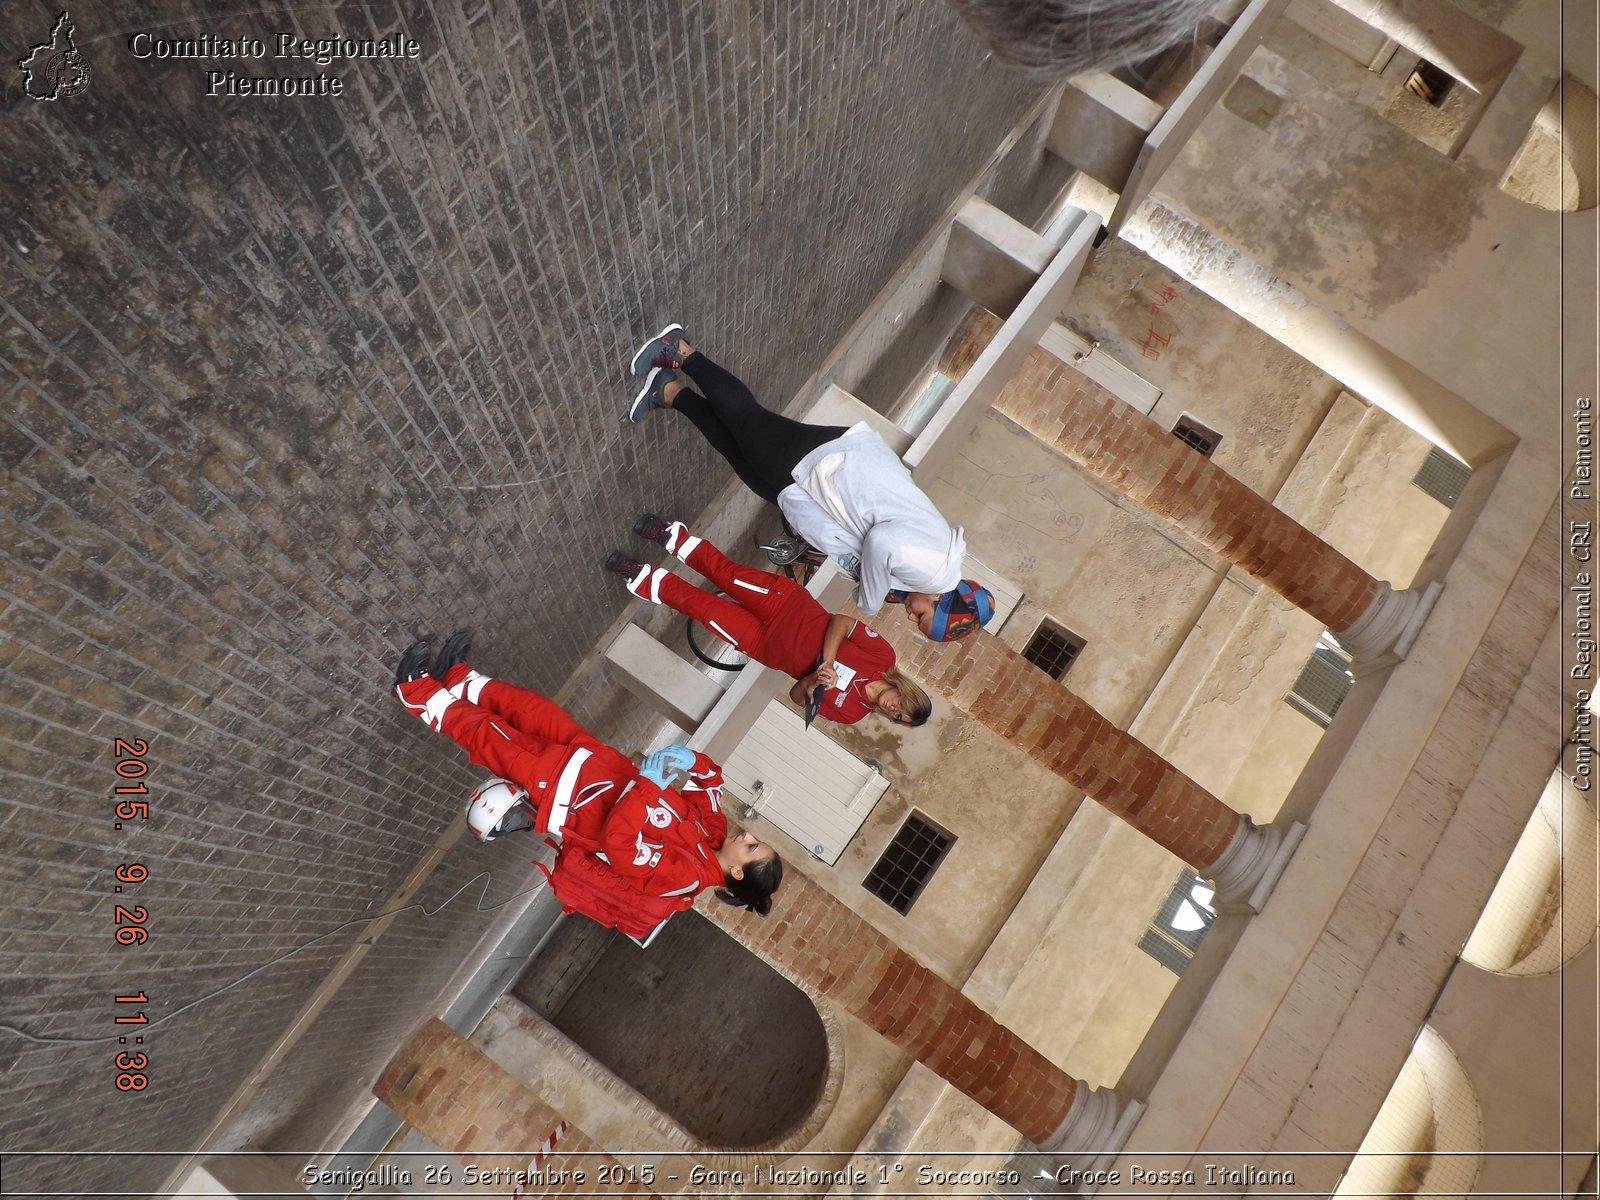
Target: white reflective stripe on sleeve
565, 786
433, 708
723, 634
713, 795
592, 792
752, 587
471, 687
685, 890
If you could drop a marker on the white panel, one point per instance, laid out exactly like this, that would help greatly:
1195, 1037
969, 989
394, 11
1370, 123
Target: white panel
1095, 364
816, 791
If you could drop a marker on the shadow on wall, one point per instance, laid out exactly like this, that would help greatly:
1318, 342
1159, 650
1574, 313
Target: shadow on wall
1428, 1136
1544, 910
702, 1028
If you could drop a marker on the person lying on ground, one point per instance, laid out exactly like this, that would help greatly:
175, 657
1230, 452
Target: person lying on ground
655, 841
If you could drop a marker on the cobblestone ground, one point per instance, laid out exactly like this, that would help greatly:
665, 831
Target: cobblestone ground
287, 380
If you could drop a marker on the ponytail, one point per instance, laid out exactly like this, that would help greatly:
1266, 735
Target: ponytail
753, 891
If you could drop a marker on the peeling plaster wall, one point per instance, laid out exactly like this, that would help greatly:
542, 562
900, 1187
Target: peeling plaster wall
1186, 344
1375, 214
1093, 561
1004, 811
1388, 233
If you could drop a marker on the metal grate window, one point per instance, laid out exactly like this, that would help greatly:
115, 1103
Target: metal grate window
1429, 83
898, 877
1442, 477
1199, 436
1052, 649
1324, 682
1180, 924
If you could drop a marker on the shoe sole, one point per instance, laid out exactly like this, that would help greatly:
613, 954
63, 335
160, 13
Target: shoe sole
645, 521
633, 579
641, 406
640, 356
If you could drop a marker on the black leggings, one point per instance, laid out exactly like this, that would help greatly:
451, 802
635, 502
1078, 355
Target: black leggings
761, 446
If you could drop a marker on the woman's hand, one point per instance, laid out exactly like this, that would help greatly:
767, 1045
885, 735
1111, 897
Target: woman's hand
667, 762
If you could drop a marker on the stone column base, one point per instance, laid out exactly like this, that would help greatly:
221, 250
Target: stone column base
1072, 1162
1384, 634
1088, 1124
1249, 868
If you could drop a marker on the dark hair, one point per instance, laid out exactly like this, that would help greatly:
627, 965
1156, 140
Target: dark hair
753, 891
1059, 38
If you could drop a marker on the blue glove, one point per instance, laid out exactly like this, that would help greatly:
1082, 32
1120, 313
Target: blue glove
661, 766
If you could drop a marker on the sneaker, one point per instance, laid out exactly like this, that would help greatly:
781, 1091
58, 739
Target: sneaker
659, 351
414, 662
652, 395
455, 650
619, 563
652, 528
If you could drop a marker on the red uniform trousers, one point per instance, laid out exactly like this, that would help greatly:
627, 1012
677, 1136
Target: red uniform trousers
769, 618
521, 736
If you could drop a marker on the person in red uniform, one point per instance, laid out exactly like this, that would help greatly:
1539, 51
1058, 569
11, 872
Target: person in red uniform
776, 622
667, 843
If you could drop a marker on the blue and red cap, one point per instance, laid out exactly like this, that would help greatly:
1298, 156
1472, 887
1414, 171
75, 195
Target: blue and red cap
958, 612
961, 610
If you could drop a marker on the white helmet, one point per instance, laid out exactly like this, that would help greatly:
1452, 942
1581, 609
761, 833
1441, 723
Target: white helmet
498, 806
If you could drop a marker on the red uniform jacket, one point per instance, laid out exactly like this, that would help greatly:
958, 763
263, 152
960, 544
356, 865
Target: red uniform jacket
586, 792
659, 839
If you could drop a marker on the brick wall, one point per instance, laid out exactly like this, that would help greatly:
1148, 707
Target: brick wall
452, 1092
285, 381
415, 957
988, 680
814, 939
1133, 454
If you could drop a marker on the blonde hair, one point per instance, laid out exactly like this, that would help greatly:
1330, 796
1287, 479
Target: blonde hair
918, 707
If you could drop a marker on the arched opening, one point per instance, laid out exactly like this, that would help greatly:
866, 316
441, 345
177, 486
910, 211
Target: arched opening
1557, 166
703, 1029
1545, 907
1428, 1136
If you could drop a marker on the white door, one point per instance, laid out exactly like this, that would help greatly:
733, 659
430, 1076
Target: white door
811, 787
